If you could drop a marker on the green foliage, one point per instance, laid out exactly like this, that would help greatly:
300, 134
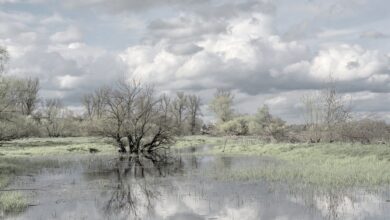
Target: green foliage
222, 105
267, 125
236, 126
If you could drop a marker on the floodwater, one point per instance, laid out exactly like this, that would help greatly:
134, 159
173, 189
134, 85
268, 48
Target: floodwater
182, 187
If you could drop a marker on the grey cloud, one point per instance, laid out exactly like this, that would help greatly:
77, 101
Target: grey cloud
184, 49
184, 28
64, 78
114, 6
201, 45
374, 35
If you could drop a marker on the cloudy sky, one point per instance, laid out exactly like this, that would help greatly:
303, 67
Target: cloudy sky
268, 51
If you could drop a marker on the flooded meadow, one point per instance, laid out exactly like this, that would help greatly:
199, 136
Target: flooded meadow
183, 184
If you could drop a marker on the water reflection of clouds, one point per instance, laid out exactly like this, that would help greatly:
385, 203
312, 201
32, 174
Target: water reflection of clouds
75, 195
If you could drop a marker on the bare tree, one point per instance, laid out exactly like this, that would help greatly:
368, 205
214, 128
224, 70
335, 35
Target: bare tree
324, 112
313, 115
134, 113
28, 95
179, 109
87, 101
99, 101
52, 114
365, 131
114, 118
194, 112
337, 110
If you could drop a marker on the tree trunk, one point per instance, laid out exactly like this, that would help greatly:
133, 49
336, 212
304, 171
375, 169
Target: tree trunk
121, 145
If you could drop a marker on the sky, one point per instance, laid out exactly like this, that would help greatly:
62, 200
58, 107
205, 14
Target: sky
267, 51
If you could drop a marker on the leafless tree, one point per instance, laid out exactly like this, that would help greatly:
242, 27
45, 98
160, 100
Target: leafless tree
88, 105
28, 95
366, 131
194, 112
179, 110
99, 101
52, 117
114, 118
336, 110
134, 113
313, 114
325, 111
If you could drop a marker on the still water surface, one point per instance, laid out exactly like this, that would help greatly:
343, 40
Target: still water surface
182, 187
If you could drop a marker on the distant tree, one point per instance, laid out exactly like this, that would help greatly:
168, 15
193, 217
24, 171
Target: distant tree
194, 102
222, 105
99, 101
88, 105
365, 131
179, 109
236, 126
336, 110
52, 113
313, 114
324, 112
4, 57
268, 125
8, 98
28, 95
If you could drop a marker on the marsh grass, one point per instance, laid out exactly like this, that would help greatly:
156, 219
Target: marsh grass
57, 146
324, 164
13, 202
196, 140
28, 156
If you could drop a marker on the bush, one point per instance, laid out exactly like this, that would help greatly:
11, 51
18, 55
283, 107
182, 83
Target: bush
237, 126
365, 131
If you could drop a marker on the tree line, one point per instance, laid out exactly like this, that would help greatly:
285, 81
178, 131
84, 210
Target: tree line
140, 119
327, 118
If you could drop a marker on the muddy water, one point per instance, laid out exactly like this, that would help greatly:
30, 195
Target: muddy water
183, 187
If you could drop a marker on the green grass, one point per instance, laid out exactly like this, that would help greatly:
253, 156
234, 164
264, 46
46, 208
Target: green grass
324, 164
13, 202
331, 165
196, 140
55, 146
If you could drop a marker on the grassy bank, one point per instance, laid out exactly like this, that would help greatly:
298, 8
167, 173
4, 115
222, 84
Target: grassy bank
27, 156
324, 164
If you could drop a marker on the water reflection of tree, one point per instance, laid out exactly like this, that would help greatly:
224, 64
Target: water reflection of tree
136, 190
331, 202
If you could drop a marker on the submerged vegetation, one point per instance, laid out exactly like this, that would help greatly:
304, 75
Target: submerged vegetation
325, 164
27, 156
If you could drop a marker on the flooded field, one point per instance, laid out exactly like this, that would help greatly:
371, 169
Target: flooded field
183, 186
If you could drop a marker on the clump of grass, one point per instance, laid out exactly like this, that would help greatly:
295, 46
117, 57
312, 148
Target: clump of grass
195, 140
12, 202
4, 180
61, 146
